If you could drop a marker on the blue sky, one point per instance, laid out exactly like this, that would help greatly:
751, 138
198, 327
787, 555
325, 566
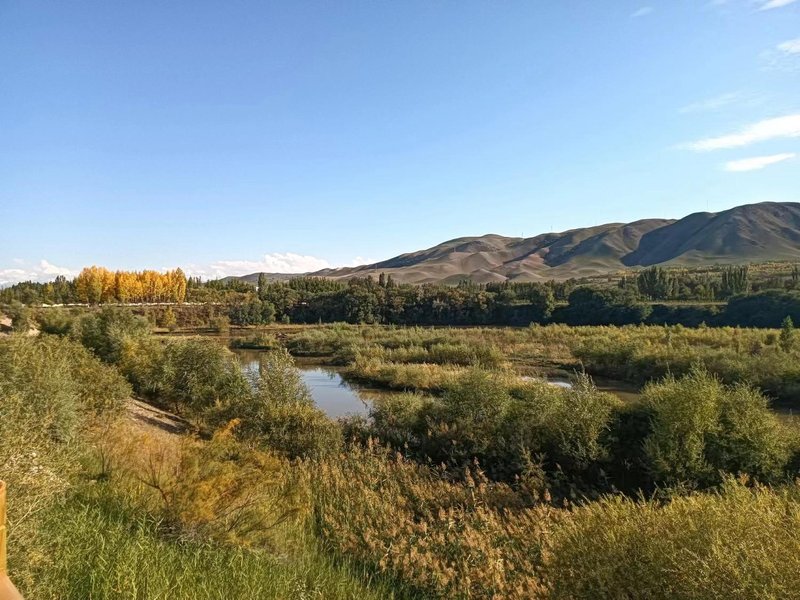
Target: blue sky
229, 137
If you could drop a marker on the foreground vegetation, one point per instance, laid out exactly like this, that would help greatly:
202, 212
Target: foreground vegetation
97, 510
486, 486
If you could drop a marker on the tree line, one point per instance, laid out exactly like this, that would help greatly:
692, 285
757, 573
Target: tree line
646, 297
660, 283
98, 285
318, 300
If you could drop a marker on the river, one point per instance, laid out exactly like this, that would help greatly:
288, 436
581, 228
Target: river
339, 398
331, 393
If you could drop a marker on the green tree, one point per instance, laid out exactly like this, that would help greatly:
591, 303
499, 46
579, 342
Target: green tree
787, 334
168, 319
735, 280
609, 306
267, 312
262, 286
655, 283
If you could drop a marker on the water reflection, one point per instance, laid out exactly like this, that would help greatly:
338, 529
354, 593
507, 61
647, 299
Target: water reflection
330, 391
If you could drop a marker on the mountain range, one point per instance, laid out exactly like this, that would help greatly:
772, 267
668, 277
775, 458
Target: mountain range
750, 233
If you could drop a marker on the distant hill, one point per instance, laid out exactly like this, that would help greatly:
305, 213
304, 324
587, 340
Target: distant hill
750, 233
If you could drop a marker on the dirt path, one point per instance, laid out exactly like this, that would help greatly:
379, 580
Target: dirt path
152, 420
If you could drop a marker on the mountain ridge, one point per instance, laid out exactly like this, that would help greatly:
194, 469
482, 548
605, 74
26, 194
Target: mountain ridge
748, 233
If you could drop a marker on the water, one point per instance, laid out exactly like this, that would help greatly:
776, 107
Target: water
623, 391
339, 398
331, 393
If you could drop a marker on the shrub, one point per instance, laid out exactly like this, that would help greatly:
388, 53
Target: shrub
565, 427
193, 375
217, 490
55, 320
296, 430
220, 323
701, 427
104, 332
465, 423
143, 361
20, 316
51, 391
281, 414
57, 383
399, 420
167, 319
507, 428
257, 341
279, 381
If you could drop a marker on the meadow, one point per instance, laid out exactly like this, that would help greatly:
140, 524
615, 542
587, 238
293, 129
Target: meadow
473, 483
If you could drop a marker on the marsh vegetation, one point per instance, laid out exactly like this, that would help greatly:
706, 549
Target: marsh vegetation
470, 481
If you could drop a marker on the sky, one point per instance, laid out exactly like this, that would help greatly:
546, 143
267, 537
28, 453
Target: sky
231, 137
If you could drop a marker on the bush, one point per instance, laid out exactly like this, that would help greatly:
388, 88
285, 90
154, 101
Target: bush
220, 324
701, 428
507, 428
296, 430
55, 320
217, 490
104, 332
563, 427
465, 423
257, 341
193, 375
641, 354
399, 420
167, 319
57, 384
51, 391
20, 316
281, 414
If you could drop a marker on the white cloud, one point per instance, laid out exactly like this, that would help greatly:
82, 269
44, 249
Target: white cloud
44, 271
770, 4
757, 162
47, 268
275, 262
768, 129
8, 276
783, 57
712, 103
270, 263
642, 12
790, 46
